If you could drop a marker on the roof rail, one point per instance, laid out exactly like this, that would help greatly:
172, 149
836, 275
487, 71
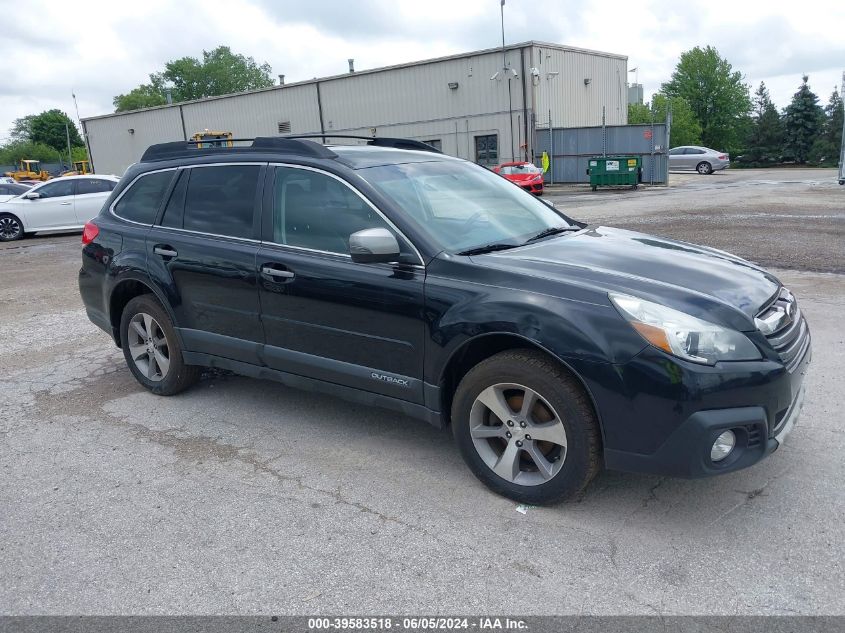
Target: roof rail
285, 145
379, 141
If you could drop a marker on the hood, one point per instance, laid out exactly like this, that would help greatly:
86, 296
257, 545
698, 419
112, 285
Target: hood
522, 177
685, 276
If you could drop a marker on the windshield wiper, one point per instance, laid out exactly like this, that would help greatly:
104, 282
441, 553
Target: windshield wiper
488, 248
554, 230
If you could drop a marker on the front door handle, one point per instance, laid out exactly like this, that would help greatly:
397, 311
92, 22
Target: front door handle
65, 204
164, 251
277, 273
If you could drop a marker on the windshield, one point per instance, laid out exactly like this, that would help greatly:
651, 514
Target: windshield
463, 206
524, 168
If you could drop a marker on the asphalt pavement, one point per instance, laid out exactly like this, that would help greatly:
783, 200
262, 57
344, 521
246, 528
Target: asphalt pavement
243, 497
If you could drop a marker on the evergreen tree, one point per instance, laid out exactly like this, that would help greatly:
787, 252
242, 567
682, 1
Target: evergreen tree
803, 122
827, 146
765, 138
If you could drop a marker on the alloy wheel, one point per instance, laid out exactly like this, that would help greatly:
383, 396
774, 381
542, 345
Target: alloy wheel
148, 347
518, 434
10, 228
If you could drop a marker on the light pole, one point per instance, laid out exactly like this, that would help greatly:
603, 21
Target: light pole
510, 73
549, 76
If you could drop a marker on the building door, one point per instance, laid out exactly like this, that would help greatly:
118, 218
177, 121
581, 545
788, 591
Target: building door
487, 150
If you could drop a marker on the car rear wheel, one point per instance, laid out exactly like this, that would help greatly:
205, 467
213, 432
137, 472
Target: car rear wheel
704, 168
152, 349
526, 428
11, 228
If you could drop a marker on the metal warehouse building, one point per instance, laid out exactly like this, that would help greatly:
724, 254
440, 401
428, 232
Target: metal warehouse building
484, 106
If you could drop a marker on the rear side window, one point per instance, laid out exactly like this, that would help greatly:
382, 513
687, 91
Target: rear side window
175, 209
141, 201
221, 200
93, 185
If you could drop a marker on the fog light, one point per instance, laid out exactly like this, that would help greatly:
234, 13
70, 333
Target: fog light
723, 446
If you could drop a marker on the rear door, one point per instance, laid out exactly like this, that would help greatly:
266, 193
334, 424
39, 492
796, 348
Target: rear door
325, 316
203, 249
91, 193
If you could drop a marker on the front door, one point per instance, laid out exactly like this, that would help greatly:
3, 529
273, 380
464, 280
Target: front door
53, 209
324, 316
203, 248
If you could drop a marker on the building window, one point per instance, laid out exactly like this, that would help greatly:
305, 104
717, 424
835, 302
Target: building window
435, 143
487, 149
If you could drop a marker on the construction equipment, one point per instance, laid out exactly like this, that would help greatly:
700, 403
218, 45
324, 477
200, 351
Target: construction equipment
80, 168
29, 170
208, 138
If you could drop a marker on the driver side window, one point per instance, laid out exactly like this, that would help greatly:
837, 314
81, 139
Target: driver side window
56, 189
315, 211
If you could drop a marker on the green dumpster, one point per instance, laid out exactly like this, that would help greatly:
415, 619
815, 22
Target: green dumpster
614, 171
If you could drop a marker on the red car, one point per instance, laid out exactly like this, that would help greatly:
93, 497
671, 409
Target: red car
526, 175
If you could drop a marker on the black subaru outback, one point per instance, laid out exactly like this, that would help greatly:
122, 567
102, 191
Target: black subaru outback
395, 276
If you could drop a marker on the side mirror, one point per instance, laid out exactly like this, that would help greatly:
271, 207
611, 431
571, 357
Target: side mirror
372, 246
32, 195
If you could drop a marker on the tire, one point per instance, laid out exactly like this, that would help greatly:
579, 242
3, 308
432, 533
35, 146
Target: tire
562, 412
152, 349
704, 168
11, 228
594, 187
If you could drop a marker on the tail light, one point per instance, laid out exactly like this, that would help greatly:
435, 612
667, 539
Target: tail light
723, 157
89, 233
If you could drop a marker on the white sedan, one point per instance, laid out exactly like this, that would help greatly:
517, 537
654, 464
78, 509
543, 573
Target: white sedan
62, 204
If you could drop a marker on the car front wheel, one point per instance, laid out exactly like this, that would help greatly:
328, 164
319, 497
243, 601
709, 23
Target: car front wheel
10, 228
152, 349
526, 428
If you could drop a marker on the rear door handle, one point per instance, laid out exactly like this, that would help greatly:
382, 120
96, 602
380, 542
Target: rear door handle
164, 251
277, 273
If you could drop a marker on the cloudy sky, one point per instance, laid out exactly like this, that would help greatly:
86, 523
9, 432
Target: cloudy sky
100, 49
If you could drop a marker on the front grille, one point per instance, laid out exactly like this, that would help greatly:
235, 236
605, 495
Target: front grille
790, 336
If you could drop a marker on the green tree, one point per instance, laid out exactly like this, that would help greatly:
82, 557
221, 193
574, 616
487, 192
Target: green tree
47, 128
685, 129
766, 134
715, 93
803, 121
219, 72
144, 96
22, 128
12, 152
827, 146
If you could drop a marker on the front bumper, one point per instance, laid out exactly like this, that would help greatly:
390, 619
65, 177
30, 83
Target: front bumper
534, 187
761, 405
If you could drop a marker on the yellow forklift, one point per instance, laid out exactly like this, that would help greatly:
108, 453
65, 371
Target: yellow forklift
28, 170
208, 138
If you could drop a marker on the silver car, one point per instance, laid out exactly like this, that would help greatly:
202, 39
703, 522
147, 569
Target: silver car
702, 159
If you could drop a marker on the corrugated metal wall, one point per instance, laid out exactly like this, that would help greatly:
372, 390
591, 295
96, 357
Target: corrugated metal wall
257, 113
573, 148
117, 142
413, 101
574, 103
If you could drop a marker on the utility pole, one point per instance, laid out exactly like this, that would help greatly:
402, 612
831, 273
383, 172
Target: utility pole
842, 141
69, 152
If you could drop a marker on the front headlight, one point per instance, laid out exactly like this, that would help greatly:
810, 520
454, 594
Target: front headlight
684, 335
